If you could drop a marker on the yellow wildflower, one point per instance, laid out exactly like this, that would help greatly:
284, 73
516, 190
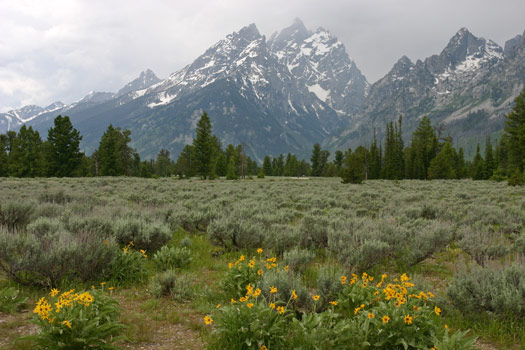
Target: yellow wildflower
54, 292
218, 306
273, 289
315, 297
437, 310
385, 319
257, 292
343, 279
272, 306
408, 319
251, 264
286, 268
371, 315
334, 303
263, 347
280, 309
294, 295
207, 320
66, 322
259, 272
259, 251
249, 305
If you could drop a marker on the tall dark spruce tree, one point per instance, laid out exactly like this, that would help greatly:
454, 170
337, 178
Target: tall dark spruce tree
203, 147
515, 136
25, 156
64, 156
114, 156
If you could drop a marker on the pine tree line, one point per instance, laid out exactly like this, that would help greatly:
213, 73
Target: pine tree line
428, 156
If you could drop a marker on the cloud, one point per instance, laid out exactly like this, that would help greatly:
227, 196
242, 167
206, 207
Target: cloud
60, 50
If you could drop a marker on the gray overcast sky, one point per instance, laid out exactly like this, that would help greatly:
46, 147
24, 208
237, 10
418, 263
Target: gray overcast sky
60, 50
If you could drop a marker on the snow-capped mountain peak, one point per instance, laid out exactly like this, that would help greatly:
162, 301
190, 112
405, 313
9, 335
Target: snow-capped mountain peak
319, 61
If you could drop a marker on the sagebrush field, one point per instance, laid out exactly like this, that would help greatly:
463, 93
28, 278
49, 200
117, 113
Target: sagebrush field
264, 263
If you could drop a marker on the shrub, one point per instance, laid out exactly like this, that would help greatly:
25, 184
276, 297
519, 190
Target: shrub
516, 179
48, 259
297, 259
484, 290
10, 300
128, 266
235, 232
248, 325
328, 285
146, 235
171, 257
285, 282
59, 197
169, 284
83, 320
43, 226
15, 215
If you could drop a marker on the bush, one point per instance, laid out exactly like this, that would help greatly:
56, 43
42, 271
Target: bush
59, 197
46, 260
15, 215
83, 320
484, 290
169, 284
146, 235
10, 300
129, 266
297, 259
285, 282
170, 258
235, 232
516, 179
328, 284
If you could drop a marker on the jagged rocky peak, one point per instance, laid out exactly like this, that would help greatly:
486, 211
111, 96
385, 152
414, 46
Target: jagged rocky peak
146, 79
296, 33
512, 44
464, 44
402, 68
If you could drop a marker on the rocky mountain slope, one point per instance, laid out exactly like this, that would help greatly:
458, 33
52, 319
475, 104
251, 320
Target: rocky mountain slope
275, 96
298, 88
467, 89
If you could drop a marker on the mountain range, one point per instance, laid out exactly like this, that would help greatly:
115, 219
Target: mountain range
298, 88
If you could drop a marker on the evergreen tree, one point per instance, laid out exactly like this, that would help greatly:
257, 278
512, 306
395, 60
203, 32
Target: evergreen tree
267, 166
354, 169
4, 169
64, 148
461, 168
515, 130
25, 156
375, 160
114, 156
338, 161
230, 172
443, 166
163, 163
316, 160
423, 149
476, 168
489, 165
221, 167
394, 159
279, 166
185, 166
303, 168
203, 147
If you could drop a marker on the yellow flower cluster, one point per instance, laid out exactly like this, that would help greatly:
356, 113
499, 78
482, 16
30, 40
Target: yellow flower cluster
128, 248
44, 309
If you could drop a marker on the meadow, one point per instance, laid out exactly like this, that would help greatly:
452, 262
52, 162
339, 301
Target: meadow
273, 263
